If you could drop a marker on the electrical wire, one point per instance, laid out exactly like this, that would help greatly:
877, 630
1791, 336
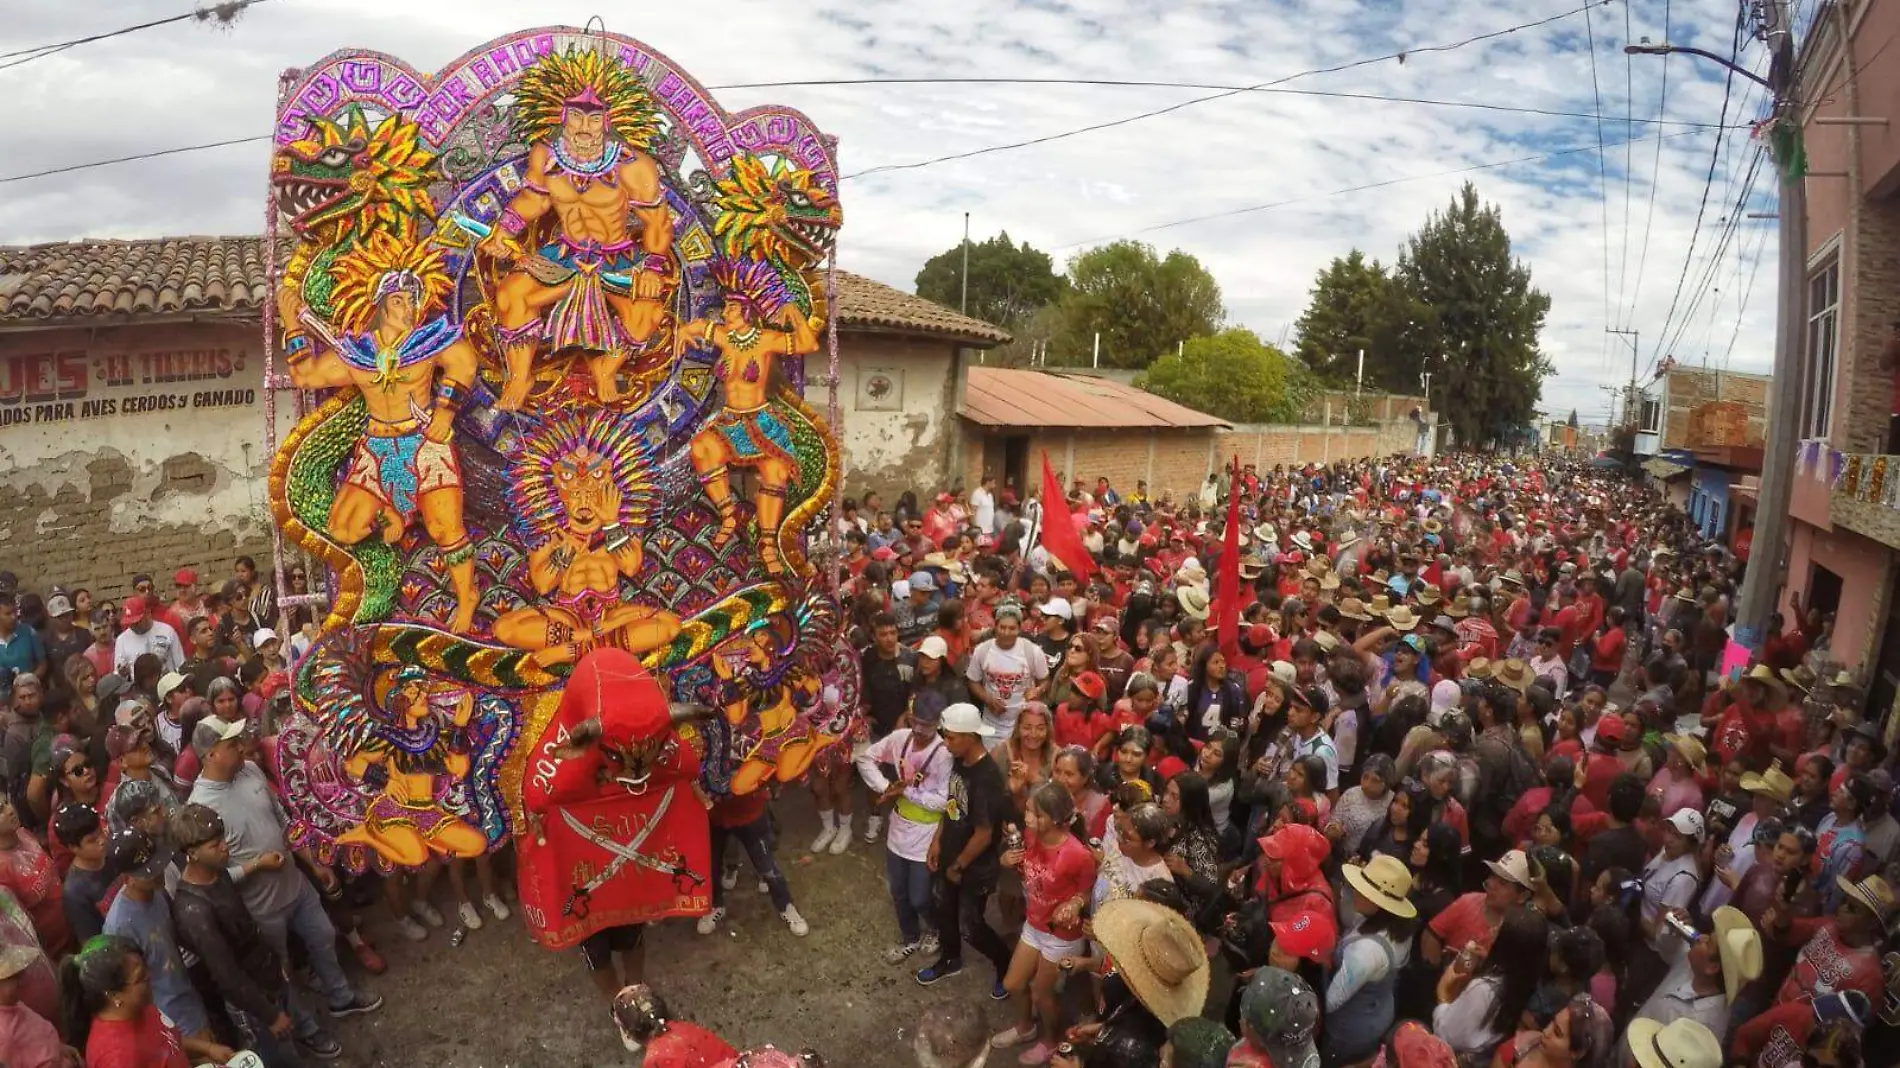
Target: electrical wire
1655, 178
1480, 105
1715, 155
1494, 165
224, 12
1603, 165
1629, 154
1127, 119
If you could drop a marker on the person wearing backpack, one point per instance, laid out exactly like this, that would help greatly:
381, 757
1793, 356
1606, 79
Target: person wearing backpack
1505, 773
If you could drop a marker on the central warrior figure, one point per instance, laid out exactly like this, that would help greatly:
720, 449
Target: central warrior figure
599, 281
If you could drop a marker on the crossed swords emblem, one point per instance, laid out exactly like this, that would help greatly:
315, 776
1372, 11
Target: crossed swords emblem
685, 879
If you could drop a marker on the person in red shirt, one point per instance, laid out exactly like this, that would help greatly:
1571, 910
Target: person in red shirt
113, 1018
647, 1027
1569, 621
1747, 724
30, 874
1607, 649
1474, 918
1784, 648
744, 817
1838, 952
1058, 873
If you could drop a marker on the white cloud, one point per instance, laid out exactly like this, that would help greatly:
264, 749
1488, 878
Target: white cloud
184, 84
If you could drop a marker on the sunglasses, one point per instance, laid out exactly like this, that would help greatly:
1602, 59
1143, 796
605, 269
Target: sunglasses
81, 768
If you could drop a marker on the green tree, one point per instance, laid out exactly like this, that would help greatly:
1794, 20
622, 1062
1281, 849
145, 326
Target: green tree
1143, 305
1008, 282
1357, 306
1234, 375
1477, 320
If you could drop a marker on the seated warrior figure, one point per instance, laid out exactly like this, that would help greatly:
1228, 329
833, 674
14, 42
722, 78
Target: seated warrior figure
413, 368
416, 747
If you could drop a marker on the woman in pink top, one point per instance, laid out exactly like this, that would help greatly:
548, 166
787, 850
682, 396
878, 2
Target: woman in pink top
1679, 784
1058, 872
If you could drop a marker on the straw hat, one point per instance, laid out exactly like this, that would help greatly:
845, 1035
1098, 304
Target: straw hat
1160, 956
1478, 668
1774, 782
16, 959
1319, 567
1456, 609
1346, 540
1354, 608
1380, 606
1691, 749
1513, 673
1512, 577
1872, 892
1740, 946
1326, 640
1429, 596
1777, 690
1386, 882
1193, 601
1685, 595
1682, 1044
1801, 678
1329, 581
1432, 526
1401, 618
1381, 577
1251, 566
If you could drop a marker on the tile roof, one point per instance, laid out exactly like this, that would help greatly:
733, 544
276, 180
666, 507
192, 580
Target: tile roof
1005, 397
89, 280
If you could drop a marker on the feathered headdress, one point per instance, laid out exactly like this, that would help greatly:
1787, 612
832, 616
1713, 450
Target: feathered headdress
584, 77
381, 265
753, 283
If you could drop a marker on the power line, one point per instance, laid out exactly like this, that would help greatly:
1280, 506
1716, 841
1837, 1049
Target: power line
1715, 154
1655, 178
1125, 120
1603, 166
223, 12
1480, 105
1354, 189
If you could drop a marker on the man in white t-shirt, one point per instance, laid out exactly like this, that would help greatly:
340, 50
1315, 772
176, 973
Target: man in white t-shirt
143, 634
1005, 671
983, 505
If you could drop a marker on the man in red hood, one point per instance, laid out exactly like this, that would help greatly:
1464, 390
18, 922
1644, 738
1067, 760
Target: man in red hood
1292, 875
645, 1024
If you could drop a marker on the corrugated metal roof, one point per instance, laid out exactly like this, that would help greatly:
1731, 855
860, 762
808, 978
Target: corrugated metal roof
1001, 396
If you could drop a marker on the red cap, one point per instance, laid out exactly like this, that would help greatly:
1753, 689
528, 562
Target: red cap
1415, 1047
884, 553
1310, 933
1610, 727
185, 577
1170, 767
1090, 685
1259, 635
133, 611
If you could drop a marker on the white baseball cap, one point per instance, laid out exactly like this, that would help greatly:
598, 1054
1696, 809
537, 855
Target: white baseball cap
1689, 822
264, 634
1056, 606
934, 647
963, 718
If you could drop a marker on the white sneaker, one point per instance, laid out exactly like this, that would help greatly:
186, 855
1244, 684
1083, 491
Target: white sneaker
710, 922
412, 930
764, 887
471, 917
426, 912
1012, 1038
729, 876
872, 826
823, 840
794, 921
496, 906
900, 953
841, 841
928, 945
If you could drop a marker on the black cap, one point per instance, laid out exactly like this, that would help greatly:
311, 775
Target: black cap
133, 852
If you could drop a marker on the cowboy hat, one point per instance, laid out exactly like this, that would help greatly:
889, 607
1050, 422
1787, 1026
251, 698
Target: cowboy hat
1777, 690
1691, 749
1513, 673
1872, 893
1346, 541
1251, 566
1381, 577
1326, 640
1432, 526
1682, 1044
1386, 882
16, 959
1456, 609
1774, 782
1265, 532
1685, 595
1193, 601
1429, 595
1380, 605
1512, 577
1160, 955
1740, 946
1401, 618
1478, 668
1801, 677
1319, 567
1329, 581
1354, 608
1303, 541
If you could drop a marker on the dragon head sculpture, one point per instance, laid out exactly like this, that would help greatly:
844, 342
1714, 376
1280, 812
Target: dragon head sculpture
344, 178
774, 212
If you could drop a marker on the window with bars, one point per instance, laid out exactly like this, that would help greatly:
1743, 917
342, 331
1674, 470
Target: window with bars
1822, 349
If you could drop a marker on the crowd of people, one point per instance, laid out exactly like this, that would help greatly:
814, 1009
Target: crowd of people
1454, 774
1451, 775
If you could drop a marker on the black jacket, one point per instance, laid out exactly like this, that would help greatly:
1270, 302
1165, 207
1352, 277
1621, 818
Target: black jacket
213, 923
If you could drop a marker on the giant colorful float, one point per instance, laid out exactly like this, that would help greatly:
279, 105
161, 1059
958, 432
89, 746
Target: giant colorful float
547, 314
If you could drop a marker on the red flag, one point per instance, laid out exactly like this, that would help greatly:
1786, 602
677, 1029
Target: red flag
1227, 581
1059, 534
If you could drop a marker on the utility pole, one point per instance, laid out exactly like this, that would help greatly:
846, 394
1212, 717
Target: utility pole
1425, 379
1761, 585
1631, 407
963, 304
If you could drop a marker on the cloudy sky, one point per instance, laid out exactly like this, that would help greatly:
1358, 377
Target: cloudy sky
1608, 242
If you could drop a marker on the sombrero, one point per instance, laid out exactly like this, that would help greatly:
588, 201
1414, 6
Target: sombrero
1159, 956
1740, 947
1777, 690
1386, 882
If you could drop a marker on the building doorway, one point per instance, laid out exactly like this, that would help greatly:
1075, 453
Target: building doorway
1885, 683
1824, 591
1006, 459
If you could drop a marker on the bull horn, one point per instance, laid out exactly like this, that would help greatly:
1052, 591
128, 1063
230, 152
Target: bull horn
582, 737
681, 712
